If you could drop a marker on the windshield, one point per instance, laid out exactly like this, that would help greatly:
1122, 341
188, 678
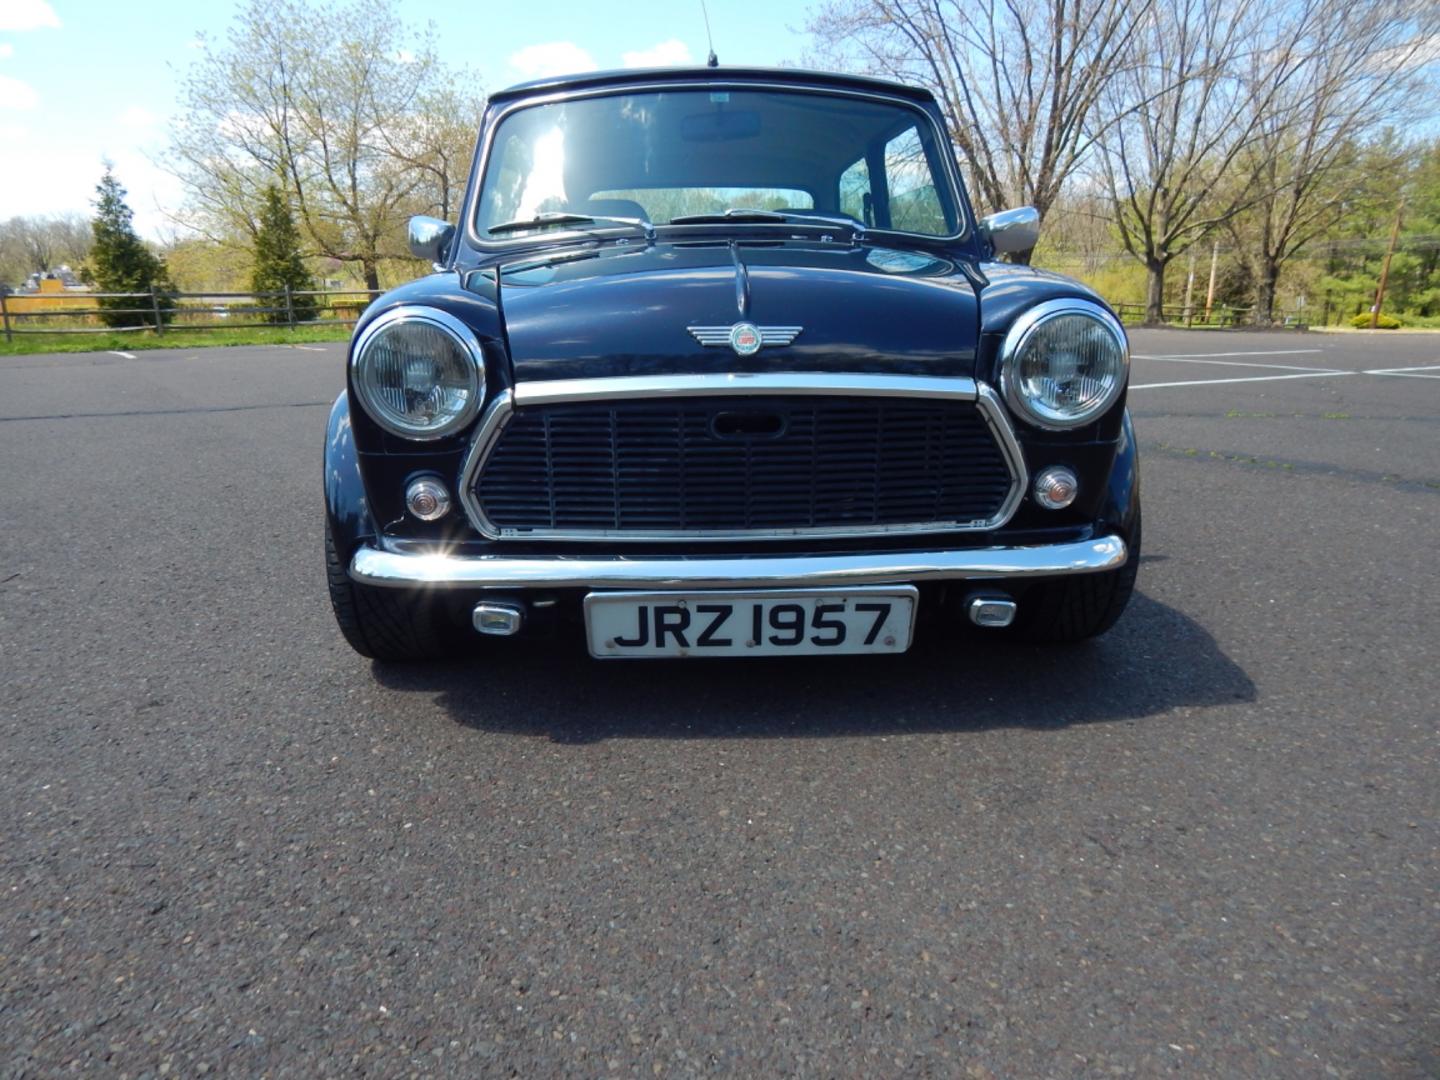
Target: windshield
657, 156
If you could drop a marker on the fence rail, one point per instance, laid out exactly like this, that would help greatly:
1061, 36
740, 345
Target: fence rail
159, 311
1220, 315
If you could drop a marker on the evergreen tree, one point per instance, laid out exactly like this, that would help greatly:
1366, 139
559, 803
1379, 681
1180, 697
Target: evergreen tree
277, 259
121, 263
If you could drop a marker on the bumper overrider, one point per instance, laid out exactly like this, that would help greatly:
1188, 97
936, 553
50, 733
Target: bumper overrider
419, 567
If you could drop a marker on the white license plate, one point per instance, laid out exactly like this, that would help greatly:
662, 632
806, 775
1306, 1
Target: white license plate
766, 622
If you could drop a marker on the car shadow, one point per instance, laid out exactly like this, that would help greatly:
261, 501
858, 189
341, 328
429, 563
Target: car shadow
1155, 659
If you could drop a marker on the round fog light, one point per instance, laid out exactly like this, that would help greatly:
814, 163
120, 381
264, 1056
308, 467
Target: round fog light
427, 499
1056, 488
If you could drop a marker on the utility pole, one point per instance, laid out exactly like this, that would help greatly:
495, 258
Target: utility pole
1210, 292
1385, 266
1190, 287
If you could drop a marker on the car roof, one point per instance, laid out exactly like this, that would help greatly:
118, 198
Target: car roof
701, 75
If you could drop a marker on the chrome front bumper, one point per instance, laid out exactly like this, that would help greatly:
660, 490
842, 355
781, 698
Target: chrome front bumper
409, 569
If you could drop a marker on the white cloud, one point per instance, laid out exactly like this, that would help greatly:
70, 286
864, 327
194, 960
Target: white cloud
552, 58
405, 56
6, 50
27, 15
13, 133
196, 42
136, 116
672, 53
15, 94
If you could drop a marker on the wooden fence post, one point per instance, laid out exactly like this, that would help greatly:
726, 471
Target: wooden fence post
155, 307
5, 316
289, 306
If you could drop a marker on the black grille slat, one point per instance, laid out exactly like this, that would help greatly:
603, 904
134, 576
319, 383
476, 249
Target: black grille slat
647, 466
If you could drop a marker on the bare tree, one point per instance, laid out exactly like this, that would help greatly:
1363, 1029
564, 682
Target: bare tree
1020, 84
1360, 65
354, 122
31, 245
1207, 74
437, 138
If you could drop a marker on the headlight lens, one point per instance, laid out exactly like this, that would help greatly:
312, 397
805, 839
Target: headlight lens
1064, 362
419, 372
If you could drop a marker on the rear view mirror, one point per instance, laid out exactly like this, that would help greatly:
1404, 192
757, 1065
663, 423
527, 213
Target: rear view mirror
720, 126
430, 238
1012, 230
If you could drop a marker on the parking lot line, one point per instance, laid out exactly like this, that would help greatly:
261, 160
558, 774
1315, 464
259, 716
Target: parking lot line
1200, 355
1232, 363
126, 355
1248, 378
1408, 372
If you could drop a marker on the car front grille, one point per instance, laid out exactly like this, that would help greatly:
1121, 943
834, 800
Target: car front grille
743, 467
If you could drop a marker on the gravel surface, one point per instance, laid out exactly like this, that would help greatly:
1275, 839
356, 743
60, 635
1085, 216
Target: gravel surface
1204, 845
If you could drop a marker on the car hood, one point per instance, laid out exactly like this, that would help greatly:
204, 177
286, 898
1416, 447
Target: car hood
626, 310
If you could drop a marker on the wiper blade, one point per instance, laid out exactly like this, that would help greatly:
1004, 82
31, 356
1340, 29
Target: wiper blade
780, 217
565, 217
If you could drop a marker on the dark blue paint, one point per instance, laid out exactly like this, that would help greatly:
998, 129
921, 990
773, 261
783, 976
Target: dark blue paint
625, 311
346, 506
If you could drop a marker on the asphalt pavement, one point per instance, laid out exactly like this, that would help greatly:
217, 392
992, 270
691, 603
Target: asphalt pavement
1205, 845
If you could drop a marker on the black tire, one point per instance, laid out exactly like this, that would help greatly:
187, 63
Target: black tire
1083, 606
383, 624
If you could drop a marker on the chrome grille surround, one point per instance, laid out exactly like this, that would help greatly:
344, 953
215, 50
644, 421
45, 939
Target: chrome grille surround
739, 385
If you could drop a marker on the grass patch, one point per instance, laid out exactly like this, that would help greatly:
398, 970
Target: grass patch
135, 341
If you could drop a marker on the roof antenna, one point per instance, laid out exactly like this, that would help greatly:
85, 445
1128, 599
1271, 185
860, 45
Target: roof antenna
712, 60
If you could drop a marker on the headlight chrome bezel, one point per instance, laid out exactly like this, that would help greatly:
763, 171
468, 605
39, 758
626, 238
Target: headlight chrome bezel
1020, 334
448, 324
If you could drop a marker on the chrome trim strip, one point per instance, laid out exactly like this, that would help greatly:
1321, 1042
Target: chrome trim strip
729, 384
996, 415
1019, 333
434, 568
943, 150
736, 384
485, 436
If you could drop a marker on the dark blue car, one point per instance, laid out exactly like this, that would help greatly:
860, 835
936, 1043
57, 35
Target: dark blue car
719, 362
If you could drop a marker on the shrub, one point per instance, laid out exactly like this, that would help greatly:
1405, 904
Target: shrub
1385, 322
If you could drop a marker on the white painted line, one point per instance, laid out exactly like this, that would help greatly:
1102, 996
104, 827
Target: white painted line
1249, 378
1407, 372
126, 355
1232, 363
308, 348
1198, 355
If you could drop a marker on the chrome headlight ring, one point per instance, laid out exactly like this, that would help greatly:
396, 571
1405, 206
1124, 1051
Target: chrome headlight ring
1027, 331
464, 380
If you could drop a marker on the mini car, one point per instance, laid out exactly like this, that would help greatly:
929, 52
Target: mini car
720, 362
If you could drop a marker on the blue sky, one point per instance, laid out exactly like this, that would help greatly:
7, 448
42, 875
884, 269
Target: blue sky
82, 80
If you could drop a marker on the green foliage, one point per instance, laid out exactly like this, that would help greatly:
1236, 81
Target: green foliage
121, 263
177, 337
1385, 322
278, 265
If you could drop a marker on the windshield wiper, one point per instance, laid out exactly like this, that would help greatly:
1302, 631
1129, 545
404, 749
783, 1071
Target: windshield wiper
744, 214
565, 217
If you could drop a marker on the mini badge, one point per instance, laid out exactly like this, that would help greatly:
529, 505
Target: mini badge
745, 338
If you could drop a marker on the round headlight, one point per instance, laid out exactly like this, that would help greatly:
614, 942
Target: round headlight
419, 372
1063, 363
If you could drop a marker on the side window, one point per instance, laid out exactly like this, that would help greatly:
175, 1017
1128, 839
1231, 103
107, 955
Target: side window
914, 204
855, 192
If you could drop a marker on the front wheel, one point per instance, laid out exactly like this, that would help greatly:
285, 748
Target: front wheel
383, 624
1082, 606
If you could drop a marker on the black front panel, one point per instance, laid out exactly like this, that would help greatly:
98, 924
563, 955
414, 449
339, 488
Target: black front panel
742, 465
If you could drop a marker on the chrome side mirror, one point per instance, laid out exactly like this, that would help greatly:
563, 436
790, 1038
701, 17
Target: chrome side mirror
1012, 230
430, 238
